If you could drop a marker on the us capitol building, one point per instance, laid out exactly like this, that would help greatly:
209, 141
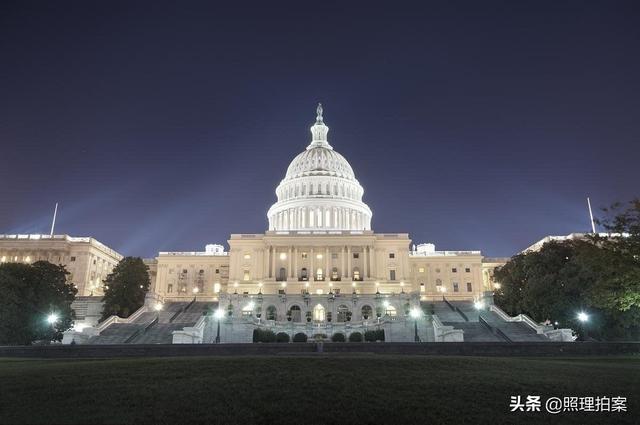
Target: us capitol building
319, 269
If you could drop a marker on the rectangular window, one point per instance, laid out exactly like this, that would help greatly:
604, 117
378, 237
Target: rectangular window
467, 270
73, 258
246, 275
422, 287
334, 256
456, 287
392, 255
217, 271
184, 271
304, 255
170, 288
356, 255
421, 270
469, 288
392, 275
454, 270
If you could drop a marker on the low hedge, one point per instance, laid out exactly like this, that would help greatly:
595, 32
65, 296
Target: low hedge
374, 335
282, 337
300, 337
263, 335
355, 337
338, 337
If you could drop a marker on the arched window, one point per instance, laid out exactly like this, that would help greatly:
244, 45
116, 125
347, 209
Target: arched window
272, 313
296, 313
366, 311
344, 314
318, 313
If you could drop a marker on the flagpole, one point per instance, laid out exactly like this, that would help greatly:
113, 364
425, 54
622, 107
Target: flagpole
593, 224
53, 223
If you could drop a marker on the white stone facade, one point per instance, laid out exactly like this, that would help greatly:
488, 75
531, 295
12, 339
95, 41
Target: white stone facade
88, 261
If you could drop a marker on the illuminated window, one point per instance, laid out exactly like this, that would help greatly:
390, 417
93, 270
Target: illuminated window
319, 275
283, 256
319, 256
304, 255
421, 270
3, 259
216, 288
390, 311
247, 256
356, 274
422, 287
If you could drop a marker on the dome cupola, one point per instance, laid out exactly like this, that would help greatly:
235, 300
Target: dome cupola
319, 191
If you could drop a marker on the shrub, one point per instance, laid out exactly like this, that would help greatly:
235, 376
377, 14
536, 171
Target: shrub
338, 337
374, 335
300, 337
355, 337
320, 336
282, 337
262, 335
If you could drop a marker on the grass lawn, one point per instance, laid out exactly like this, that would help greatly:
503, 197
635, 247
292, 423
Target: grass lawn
363, 389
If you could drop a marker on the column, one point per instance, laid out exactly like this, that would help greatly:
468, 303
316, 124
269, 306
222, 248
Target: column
326, 272
365, 255
348, 261
294, 272
343, 268
290, 263
273, 262
312, 272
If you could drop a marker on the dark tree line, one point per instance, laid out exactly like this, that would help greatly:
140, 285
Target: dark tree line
598, 275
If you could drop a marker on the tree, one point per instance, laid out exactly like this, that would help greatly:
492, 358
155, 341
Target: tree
29, 294
125, 288
599, 274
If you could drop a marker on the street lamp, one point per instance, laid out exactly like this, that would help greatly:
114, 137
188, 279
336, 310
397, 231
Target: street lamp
415, 313
583, 317
219, 314
478, 305
52, 318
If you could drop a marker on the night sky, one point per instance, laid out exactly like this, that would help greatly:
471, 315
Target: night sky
472, 125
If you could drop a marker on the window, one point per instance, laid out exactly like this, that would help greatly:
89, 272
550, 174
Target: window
334, 273
319, 275
247, 276
390, 311
247, 256
184, 271
469, 287
282, 274
319, 256
72, 258
94, 261
356, 255
392, 255
467, 270
304, 255
356, 274
437, 270
217, 271
334, 255
216, 288
421, 270
422, 287
170, 288
456, 287
303, 274
201, 271
283, 256
454, 270
392, 275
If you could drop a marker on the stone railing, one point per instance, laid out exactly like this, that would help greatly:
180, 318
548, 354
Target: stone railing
444, 333
566, 335
191, 334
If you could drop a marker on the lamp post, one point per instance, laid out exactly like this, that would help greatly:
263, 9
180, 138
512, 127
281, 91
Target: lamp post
415, 313
583, 318
219, 314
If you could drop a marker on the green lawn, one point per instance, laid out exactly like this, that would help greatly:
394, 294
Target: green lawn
363, 389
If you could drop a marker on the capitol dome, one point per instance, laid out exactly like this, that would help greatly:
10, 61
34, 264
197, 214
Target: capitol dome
319, 191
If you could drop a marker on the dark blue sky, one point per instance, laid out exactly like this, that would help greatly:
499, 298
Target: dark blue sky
473, 125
